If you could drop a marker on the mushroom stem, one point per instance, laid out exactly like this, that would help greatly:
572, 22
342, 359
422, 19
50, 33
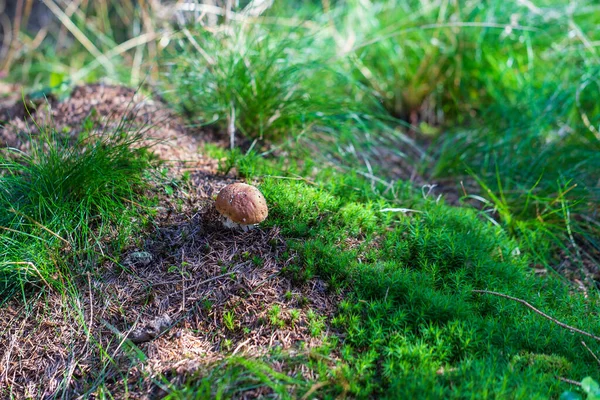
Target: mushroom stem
228, 223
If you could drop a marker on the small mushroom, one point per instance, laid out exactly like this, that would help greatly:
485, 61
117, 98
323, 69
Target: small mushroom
242, 205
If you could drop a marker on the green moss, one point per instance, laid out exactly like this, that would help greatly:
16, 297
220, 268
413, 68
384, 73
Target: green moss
410, 322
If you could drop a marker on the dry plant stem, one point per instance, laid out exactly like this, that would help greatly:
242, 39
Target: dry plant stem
41, 226
80, 36
70, 9
6, 26
14, 36
228, 6
91, 308
528, 305
257, 7
32, 266
231, 127
437, 26
313, 389
6, 357
149, 26
200, 50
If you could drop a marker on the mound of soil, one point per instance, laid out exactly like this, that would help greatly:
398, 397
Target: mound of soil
106, 108
186, 295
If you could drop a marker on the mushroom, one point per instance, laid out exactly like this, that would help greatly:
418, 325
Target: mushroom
242, 205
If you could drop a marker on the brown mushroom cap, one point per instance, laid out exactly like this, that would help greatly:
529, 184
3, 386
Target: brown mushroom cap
243, 204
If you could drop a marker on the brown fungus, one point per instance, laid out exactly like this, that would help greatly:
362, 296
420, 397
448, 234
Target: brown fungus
242, 205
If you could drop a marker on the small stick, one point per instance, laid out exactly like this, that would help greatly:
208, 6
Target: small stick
313, 389
402, 210
214, 278
591, 352
240, 345
572, 382
228, 5
557, 322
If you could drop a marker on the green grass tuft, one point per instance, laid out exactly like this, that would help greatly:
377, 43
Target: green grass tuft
62, 203
268, 83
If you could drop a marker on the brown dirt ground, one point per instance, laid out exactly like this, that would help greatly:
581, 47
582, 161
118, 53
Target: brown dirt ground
172, 288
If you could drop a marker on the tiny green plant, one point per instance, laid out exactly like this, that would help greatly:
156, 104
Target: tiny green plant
258, 261
229, 320
294, 316
180, 269
227, 344
275, 316
207, 304
288, 295
316, 323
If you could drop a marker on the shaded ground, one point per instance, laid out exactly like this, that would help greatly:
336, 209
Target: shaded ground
188, 293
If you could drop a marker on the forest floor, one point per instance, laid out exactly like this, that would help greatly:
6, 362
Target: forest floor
172, 289
431, 171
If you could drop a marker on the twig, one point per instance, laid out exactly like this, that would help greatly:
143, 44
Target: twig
91, 308
572, 382
525, 303
402, 210
214, 278
591, 352
240, 345
313, 389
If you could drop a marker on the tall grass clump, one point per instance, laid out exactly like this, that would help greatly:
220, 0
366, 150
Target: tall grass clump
535, 153
263, 81
444, 61
511, 86
64, 202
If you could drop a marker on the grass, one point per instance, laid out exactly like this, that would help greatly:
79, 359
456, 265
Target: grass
498, 95
259, 81
475, 85
65, 202
115, 41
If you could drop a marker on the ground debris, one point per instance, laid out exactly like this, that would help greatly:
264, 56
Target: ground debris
150, 330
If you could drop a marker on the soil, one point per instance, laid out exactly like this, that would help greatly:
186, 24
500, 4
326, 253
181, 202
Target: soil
172, 290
